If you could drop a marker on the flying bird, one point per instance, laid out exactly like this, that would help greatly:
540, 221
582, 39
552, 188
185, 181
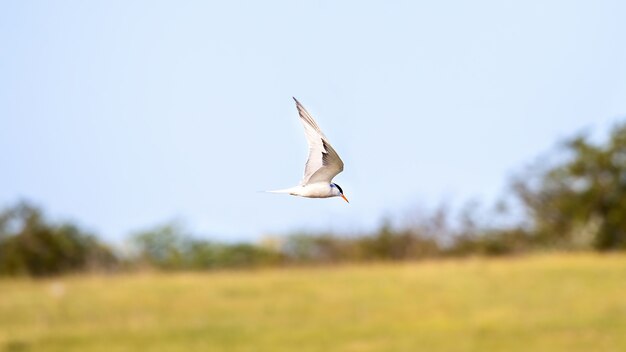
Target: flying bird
322, 166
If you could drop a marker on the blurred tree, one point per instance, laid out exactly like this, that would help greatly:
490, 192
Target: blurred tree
321, 248
29, 245
386, 243
389, 243
163, 246
246, 255
581, 201
169, 247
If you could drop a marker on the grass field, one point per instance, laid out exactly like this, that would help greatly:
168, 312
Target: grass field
538, 303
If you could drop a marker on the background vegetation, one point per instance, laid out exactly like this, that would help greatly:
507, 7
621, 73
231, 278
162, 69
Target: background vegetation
575, 202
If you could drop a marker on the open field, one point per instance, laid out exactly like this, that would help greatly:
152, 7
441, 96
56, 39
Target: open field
538, 303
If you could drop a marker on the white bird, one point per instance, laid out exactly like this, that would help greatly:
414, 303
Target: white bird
323, 163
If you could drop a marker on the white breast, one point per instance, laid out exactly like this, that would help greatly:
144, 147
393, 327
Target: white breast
314, 190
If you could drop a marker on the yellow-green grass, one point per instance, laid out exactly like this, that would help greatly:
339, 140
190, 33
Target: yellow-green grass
537, 303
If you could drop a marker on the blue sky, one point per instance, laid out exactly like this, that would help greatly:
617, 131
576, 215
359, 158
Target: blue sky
125, 114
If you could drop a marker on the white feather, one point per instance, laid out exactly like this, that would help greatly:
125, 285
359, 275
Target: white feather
323, 163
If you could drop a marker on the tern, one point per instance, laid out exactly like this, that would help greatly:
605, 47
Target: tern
322, 166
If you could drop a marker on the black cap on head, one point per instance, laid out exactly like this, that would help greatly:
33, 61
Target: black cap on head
340, 190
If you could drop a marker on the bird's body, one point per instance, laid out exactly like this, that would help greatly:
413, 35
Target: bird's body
313, 190
322, 165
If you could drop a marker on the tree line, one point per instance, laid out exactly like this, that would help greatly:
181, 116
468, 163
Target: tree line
577, 201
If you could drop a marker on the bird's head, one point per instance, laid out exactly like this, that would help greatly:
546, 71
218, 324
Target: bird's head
337, 191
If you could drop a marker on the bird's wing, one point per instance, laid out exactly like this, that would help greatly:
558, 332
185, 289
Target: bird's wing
323, 163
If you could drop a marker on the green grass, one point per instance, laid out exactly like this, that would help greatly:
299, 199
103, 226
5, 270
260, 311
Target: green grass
538, 303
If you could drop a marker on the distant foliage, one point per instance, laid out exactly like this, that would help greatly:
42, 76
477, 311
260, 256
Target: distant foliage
31, 245
577, 203
168, 247
581, 202
384, 244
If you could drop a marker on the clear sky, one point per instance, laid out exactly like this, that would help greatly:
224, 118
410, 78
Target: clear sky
125, 114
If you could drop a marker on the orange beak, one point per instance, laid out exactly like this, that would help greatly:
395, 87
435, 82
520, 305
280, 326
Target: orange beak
344, 198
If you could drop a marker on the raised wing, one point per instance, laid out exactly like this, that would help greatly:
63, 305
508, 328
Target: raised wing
323, 163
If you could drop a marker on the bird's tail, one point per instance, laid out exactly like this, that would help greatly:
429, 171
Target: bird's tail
286, 191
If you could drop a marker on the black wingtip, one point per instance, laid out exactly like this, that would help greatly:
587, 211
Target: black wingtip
296, 100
